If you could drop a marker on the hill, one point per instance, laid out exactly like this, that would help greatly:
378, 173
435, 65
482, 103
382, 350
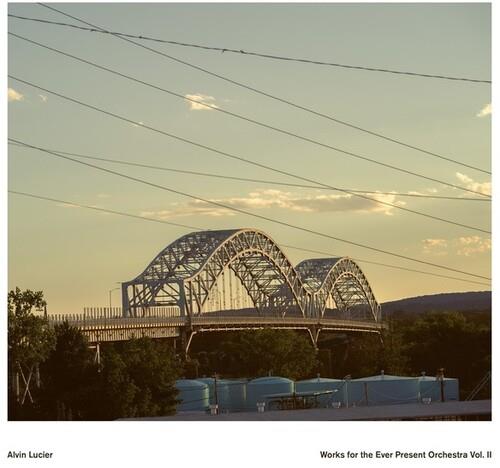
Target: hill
467, 301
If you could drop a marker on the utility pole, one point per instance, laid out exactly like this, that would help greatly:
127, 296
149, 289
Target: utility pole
216, 399
110, 291
441, 382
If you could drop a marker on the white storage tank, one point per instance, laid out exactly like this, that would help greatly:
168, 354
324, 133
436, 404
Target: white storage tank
258, 389
194, 395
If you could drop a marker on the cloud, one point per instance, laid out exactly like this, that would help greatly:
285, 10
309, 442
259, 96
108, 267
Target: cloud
468, 246
202, 99
140, 123
435, 246
486, 110
483, 187
270, 198
43, 98
14, 95
463, 246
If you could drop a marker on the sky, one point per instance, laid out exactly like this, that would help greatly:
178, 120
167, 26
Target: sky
77, 256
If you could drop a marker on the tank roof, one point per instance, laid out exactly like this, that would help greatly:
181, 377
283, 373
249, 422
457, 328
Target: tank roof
185, 383
428, 378
271, 380
385, 377
319, 380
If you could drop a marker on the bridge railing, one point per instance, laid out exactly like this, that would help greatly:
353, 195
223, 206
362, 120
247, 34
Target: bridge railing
112, 313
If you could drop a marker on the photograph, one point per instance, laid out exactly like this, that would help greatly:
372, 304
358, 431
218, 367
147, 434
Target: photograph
231, 217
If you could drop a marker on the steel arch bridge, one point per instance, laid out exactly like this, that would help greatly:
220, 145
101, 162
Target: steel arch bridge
240, 278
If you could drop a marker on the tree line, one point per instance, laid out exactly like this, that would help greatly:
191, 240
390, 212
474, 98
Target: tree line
54, 374
413, 343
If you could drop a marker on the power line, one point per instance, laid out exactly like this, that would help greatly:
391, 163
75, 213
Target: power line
248, 213
259, 181
250, 53
271, 96
329, 254
238, 116
196, 228
104, 210
248, 161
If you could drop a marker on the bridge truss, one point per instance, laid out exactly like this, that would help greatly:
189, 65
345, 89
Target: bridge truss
243, 275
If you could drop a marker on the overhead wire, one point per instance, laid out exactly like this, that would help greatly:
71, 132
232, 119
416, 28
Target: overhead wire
241, 117
271, 96
248, 213
251, 53
259, 181
105, 210
197, 228
247, 161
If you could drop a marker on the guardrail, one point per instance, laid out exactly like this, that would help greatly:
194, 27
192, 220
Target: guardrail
104, 324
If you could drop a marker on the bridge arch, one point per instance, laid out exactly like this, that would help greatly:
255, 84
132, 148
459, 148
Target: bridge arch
341, 279
185, 272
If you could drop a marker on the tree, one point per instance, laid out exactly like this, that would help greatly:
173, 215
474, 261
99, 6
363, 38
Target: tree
257, 353
358, 355
30, 340
450, 340
71, 375
137, 380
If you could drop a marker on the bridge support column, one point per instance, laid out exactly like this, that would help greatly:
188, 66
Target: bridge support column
314, 334
125, 301
97, 355
186, 336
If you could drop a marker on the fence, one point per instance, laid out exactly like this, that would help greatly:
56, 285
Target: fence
112, 313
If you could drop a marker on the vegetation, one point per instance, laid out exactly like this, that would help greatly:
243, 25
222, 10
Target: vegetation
254, 354
70, 376
414, 343
136, 378
30, 340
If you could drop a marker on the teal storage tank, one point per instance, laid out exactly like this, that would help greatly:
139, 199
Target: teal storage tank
430, 387
258, 389
387, 389
236, 395
208, 381
231, 394
353, 394
194, 395
320, 384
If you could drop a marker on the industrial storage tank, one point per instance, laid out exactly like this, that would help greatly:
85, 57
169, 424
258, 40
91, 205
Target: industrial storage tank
231, 394
210, 382
236, 395
430, 387
353, 393
194, 395
320, 384
258, 389
384, 389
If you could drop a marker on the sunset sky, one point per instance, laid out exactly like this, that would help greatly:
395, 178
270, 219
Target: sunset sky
76, 256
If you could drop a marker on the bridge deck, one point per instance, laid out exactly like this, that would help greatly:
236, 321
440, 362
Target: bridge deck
121, 328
